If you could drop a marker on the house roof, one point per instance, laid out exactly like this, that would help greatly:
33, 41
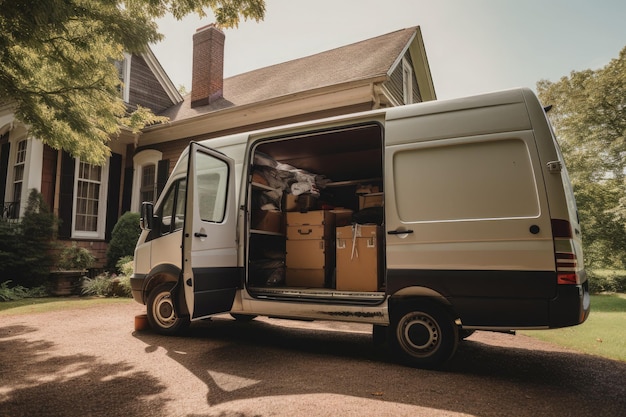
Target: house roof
365, 60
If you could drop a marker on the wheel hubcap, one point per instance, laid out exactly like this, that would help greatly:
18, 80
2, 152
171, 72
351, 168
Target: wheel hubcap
164, 310
419, 334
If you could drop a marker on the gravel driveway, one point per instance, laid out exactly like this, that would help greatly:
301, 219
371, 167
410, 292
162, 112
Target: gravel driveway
91, 362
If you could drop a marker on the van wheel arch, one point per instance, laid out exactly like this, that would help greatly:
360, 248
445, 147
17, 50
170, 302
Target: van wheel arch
423, 331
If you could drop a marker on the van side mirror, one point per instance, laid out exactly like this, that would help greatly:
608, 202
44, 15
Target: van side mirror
147, 216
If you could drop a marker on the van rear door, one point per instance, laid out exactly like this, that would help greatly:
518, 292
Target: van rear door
210, 272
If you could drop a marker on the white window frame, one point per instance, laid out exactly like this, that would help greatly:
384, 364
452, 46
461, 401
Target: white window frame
32, 167
407, 81
102, 204
125, 76
143, 158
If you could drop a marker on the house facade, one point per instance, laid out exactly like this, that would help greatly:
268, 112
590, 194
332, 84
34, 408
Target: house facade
388, 70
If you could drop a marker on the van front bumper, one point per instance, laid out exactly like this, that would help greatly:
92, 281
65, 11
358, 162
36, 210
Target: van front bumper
136, 284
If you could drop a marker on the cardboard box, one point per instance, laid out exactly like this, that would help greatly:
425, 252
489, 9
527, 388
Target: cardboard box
371, 200
305, 232
359, 254
343, 217
305, 277
311, 218
296, 218
309, 254
268, 220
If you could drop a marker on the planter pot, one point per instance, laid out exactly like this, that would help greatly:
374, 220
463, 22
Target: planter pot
66, 282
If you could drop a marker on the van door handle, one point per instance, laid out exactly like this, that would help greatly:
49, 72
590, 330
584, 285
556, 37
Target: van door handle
399, 232
198, 234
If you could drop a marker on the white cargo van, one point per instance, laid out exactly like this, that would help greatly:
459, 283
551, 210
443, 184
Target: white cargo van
427, 221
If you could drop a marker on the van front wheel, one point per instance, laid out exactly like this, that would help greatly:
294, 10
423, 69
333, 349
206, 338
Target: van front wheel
162, 312
424, 334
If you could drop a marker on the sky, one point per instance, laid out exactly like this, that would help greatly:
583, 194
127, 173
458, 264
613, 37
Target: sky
473, 46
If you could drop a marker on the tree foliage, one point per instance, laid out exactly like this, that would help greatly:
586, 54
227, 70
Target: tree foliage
589, 117
57, 63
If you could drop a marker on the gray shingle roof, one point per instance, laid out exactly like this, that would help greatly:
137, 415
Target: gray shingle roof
367, 59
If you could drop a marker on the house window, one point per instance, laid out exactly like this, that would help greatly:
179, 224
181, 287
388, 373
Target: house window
407, 81
148, 183
18, 172
123, 72
89, 200
145, 177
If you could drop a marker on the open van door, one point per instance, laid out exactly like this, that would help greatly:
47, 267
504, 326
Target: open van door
210, 273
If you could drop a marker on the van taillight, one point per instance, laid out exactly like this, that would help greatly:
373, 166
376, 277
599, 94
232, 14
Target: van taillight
565, 254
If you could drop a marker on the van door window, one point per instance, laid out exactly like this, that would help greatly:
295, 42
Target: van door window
211, 183
172, 211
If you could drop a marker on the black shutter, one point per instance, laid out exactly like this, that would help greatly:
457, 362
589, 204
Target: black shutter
113, 193
128, 189
163, 173
4, 169
66, 195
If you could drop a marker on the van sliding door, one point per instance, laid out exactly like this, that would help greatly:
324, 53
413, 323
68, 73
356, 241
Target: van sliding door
467, 217
210, 272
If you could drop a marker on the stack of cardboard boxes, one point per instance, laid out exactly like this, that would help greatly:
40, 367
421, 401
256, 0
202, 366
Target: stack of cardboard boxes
324, 250
310, 248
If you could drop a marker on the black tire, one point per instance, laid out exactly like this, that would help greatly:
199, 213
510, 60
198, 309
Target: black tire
162, 312
243, 317
423, 334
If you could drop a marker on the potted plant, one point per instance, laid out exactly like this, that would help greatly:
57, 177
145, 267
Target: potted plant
73, 264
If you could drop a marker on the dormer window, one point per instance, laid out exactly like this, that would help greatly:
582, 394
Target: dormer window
123, 72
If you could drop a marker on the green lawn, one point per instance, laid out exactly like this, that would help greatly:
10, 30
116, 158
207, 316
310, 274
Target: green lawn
41, 305
603, 334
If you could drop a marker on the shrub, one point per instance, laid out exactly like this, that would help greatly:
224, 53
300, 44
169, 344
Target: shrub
125, 265
107, 285
74, 257
25, 246
606, 280
123, 239
18, 292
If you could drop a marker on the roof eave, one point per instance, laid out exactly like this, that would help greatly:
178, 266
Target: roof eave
310, 101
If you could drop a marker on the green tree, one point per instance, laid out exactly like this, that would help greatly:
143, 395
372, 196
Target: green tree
57, 63
589, 117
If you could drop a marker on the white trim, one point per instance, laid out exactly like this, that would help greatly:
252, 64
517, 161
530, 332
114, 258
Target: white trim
32, 167
161, 76
126, 64
102, 204
147, 157
407, 82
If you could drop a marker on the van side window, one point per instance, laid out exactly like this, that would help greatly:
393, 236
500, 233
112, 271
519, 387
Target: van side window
172, 211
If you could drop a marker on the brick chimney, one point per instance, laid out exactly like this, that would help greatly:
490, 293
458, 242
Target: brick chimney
207, 79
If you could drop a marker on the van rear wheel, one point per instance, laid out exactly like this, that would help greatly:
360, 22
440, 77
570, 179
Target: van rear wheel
162, 311
423, 334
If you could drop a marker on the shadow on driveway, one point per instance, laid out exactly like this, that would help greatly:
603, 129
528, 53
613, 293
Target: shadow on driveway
271, 358
44, 383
